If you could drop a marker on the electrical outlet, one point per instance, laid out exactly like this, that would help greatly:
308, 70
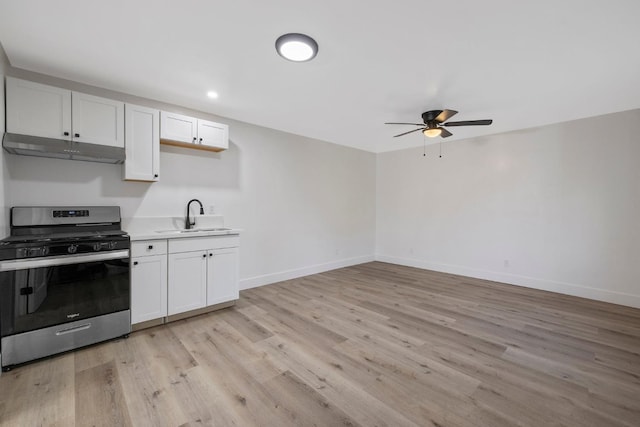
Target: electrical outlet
506, 263
211, 209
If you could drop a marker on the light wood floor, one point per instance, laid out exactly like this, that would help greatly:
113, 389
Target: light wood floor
370, 345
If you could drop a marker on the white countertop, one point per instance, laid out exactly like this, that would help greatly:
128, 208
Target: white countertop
155, 228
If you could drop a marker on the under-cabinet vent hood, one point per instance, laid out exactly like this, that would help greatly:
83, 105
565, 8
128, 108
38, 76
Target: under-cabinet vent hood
61, 149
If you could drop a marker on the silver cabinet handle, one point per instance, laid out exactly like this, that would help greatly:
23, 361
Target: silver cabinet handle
23, 264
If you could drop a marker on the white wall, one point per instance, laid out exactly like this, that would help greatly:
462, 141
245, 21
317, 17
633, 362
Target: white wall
305, 205
555, 208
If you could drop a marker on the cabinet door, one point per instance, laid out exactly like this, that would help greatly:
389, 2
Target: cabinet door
213, 134
142, 143
97, 120
222, 275
187, 281
38, 110
148, 288
177, 127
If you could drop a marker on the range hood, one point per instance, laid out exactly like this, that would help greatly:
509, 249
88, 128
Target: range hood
27, 145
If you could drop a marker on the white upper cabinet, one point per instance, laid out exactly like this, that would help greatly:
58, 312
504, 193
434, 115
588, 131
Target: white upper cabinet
142, 143
38, 110
46, 111
185, 131
177, 127
97, 120
213, 134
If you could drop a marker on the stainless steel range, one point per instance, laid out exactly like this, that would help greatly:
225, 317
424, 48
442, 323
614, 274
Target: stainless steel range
64, 281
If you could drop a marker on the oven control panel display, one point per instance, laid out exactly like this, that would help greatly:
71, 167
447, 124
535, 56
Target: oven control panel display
71, 213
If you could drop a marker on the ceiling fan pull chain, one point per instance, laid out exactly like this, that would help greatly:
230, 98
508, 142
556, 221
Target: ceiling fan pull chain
424, 141
440, 149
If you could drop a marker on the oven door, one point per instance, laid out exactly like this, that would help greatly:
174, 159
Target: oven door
40, 292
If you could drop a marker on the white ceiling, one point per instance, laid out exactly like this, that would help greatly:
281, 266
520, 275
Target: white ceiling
523, 64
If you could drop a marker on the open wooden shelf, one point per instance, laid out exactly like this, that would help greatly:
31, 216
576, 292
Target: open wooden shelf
191, 145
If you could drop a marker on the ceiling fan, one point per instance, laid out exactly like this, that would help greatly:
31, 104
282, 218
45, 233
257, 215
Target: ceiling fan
434, 121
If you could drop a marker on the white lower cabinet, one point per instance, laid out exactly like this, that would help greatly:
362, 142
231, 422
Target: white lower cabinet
187, 281
179, 275
203, 271
222, 275
148, 280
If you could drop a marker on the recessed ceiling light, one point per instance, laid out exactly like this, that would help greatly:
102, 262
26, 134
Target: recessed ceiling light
213, 95
296, 47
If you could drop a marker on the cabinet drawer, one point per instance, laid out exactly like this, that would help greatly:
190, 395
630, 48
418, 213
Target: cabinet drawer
203, 243
148, 247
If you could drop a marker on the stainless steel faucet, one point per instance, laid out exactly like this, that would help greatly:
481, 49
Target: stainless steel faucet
187, 222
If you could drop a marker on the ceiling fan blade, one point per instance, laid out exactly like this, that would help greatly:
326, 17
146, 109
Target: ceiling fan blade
445, 115
415, 130
445, 133
469, 123
394, 123
429, 116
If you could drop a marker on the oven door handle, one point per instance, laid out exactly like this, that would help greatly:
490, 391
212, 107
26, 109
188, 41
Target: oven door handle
24, 264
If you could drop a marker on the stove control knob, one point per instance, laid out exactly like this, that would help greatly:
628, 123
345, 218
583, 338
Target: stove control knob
72, 249
112, 245
97, 247
30, 252
45, 250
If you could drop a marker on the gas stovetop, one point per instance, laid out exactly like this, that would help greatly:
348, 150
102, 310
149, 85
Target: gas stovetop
58, 231
62, 237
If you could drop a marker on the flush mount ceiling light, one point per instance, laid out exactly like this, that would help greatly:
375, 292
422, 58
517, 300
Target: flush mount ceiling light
212, 94
296, 47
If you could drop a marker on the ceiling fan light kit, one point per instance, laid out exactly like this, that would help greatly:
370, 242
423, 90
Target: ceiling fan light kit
432, 132
434, 123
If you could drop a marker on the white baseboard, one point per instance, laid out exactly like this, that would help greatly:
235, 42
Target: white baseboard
253, 282
621, 298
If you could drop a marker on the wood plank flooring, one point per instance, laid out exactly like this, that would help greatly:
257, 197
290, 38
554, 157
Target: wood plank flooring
370, 345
